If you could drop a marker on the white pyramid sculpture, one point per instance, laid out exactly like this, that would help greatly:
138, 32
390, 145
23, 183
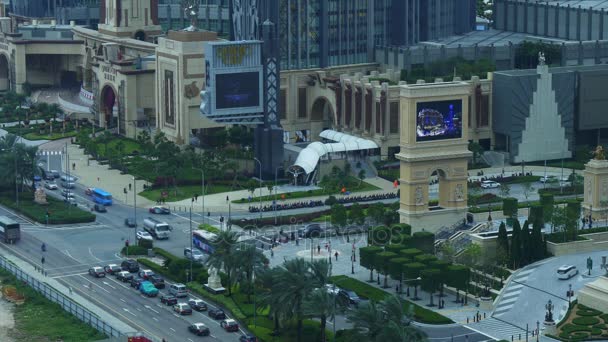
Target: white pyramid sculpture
544, 137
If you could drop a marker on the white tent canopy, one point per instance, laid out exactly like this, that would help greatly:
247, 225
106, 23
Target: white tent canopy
309, 157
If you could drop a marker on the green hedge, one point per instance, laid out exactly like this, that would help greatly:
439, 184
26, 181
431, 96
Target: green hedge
134, 250
367, 291
586, 320
209, 228
60, 213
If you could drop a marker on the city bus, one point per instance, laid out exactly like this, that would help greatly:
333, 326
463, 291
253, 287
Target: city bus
10, 231
202, 239
101, 197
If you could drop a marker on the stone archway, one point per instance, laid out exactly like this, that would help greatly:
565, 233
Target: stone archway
109, 106
4, 73
140, 35
322, 110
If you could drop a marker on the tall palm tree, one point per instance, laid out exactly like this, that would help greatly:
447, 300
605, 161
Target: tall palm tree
324, 305
267, 299
293, 283
385, 321
320, 271
251, 261
222, 257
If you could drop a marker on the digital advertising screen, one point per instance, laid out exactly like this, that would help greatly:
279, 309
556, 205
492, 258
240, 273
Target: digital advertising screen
237, 90
438, 120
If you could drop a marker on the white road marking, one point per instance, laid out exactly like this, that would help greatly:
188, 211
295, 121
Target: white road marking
66, 252
91, 253
127, 310
68, 275
154, 318
172, 329
176, 315
150, 308
122, 300
105, 283
190, 340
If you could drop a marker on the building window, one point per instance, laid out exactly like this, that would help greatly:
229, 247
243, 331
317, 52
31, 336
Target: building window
283, 104
301, 102
394, 118
169, 98
484, 111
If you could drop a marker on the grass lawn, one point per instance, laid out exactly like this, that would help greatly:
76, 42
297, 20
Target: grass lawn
389, 174
367, 291
39, 319
60, 212
311, 193
130, 145
33, 132
183, 192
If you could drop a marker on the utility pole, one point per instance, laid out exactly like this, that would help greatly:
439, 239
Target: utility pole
191, 256
135, 206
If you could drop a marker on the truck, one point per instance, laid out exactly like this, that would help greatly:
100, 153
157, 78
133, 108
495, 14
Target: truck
10, 231
159, 230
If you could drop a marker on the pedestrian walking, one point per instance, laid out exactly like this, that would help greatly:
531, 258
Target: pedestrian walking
129, 186
97, 179
271, 253
336, 255
318, 249
70, 288
73, 166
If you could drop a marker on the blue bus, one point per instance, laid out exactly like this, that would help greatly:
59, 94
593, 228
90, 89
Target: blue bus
101, 197
202, 239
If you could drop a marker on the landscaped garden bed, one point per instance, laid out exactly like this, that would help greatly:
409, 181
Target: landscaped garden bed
583, 324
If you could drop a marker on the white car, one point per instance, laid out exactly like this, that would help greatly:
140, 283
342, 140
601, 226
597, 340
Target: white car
193, 254
50, 185
143, 235
489, 184
547, 179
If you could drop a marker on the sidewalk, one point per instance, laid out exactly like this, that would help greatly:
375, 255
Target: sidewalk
53, 283
92, 174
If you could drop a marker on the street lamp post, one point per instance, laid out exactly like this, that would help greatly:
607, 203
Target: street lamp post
135, 206
202, 190
537, 330
260, 164
276, 172
191, 255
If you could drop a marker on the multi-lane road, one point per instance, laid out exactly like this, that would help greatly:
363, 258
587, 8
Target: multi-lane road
73, 249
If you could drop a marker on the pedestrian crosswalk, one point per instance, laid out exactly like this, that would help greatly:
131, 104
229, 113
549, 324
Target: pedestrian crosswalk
49, 153
512, 291
498, 329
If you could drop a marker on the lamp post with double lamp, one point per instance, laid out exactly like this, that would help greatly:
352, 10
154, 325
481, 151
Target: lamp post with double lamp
202, 190
135, 206
260, 165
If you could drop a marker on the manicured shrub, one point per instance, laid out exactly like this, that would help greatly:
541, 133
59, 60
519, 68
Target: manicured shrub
424, 241
588, 312
585, 320
410, 253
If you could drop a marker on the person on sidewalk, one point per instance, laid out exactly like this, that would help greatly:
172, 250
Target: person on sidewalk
336, 255
73, 166
271, 253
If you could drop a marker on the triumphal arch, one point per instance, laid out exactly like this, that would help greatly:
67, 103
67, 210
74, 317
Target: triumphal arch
433, 149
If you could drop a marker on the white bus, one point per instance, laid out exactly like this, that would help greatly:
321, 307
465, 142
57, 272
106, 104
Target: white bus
566, 272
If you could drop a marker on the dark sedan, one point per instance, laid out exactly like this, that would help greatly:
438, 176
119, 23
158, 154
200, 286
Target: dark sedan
160, 210
157, 280
217, 314
197, 304
130, 222
124, 276
199, 329
135, 282
168, 299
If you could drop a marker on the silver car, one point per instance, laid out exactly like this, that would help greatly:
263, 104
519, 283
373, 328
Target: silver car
193, 254
50, 185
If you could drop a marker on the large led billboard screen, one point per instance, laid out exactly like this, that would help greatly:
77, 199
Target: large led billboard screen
438, 120
237, 90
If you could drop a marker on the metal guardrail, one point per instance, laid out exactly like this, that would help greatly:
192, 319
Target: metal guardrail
65, 302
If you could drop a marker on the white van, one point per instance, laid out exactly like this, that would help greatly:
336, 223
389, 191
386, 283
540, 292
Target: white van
566, 272
178, 290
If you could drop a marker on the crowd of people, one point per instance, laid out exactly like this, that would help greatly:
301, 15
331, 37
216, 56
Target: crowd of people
319, 203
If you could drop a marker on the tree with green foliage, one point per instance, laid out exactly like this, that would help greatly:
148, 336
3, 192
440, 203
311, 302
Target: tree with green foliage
356, 215
390, 217
251, 261
458, 278
381, 261
525, 244
361, 176
425, 241
323, 305
396, 269
401, 228
379, 236
515, 254
573, 212
430, 282
505, 190
527, 190
536, 214
526, 54
547, 202
376, 212
384, 321
537, 247
338, 215
476, 149
411, 272
509, 207
367, 256
502, 244
447, 251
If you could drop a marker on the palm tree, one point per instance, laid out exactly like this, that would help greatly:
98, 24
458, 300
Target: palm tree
293, 283
222, 257
322, 304
267, 299
385, 321
251, 261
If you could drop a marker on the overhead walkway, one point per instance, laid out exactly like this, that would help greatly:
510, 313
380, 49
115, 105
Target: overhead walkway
309, 157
